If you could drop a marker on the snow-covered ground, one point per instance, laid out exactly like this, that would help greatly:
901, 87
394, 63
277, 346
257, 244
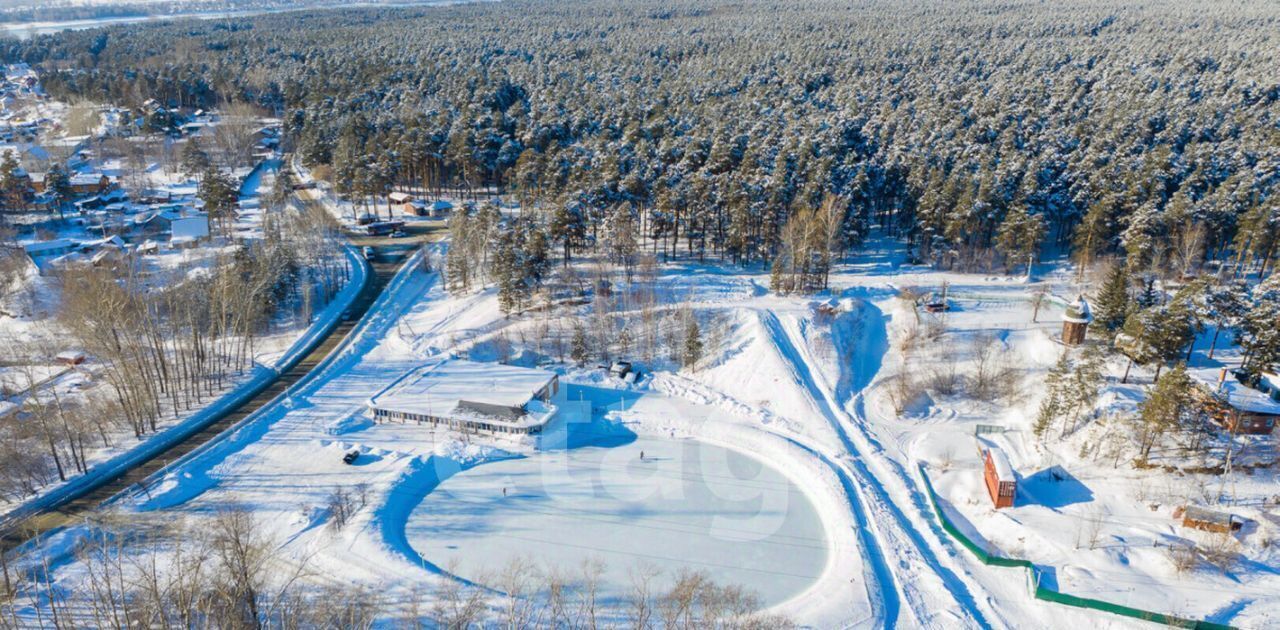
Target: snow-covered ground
781, 463
28, 322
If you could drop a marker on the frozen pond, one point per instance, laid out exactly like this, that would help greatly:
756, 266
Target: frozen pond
686, 505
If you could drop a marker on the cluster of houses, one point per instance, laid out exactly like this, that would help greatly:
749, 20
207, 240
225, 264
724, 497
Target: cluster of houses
1237, 402
117, 225
18, 82
414, 207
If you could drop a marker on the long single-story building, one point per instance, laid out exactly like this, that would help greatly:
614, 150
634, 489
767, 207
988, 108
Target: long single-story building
470, 396
1002, 484
1208, 520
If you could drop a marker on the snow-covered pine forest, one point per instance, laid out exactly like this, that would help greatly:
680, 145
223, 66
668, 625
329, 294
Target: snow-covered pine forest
981, 135
850, 238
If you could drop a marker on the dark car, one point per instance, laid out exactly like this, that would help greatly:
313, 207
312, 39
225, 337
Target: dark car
350, 456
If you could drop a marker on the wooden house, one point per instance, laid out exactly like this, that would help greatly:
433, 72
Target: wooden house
1002, 484
1245, 408
89, 183
415, 208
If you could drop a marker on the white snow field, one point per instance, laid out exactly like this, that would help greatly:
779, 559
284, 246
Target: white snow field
687, 504
780, 464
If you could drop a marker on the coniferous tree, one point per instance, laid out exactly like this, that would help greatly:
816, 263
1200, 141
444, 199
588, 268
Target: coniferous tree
1019, 237
1168, 407
1260, 328
507, 271
219, 194
578, 349
1160, 333
1227, 306
57, 185
1111, 304
1085, 382
194, 160
14, 191
1052, 406
692, 352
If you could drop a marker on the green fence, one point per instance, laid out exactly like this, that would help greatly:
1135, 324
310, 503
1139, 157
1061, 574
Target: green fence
1050, 595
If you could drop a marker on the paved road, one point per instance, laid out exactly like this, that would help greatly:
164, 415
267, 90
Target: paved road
72, 511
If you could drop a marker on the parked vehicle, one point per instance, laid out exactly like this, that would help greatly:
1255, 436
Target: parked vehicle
369, 252
350, 456
381, 228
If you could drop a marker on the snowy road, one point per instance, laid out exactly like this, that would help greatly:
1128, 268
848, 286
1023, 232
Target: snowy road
920, 578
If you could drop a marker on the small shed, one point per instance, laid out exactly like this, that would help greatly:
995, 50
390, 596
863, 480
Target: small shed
620, 369
399, 198
70, 357
415, 208
936, 303
439, 208
1002, 484
1075, 321
1208, 520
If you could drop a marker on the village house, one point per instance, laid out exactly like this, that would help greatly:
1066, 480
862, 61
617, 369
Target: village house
470, 396
89, 183
188, 231
43, 250
155, 222
113, 242
1237, 406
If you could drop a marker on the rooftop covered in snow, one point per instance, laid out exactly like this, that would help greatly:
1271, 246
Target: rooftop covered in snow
1238, 395
460, 389
1078, 312
1003, 469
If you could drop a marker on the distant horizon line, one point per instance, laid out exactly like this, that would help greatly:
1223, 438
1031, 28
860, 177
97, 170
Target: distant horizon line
26, 30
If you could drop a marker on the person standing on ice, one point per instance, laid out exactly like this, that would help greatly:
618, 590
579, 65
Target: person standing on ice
641, 455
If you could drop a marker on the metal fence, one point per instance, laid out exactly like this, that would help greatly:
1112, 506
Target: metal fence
1041, 592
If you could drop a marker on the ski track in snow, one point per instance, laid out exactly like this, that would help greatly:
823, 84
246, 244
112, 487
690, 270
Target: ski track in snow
918, 569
